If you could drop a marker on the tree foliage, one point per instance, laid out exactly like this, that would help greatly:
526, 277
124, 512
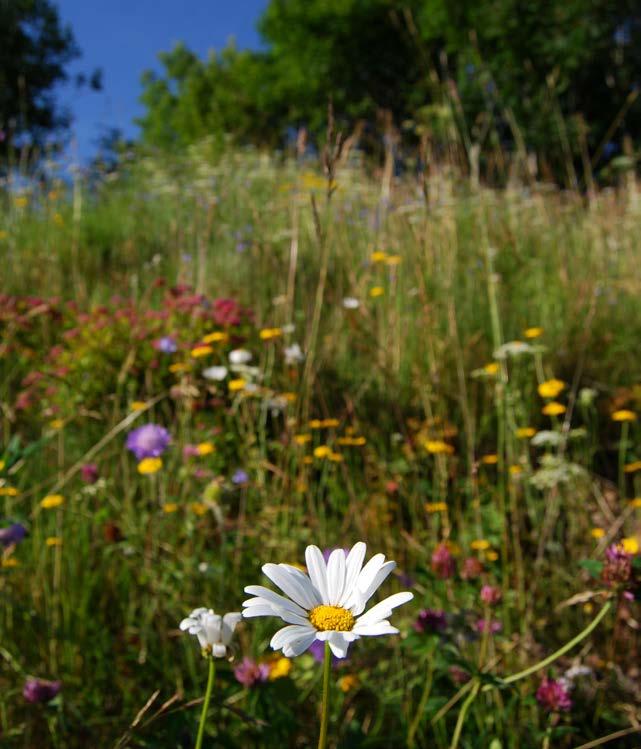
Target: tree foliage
561, 74
34, 51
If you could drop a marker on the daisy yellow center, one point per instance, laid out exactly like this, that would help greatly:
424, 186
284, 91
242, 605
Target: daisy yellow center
332, 618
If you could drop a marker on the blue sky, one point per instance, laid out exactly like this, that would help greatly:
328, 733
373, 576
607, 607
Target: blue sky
124, 37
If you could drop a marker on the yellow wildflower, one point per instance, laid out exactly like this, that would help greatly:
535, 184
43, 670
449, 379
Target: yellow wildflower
515, 470
302, 439
491, 368
8, 491
336, 457
236, 385
480, 544
533, 332
490, 459
289, 397
524, 433
198, 508
630, 545
279, 668
10, 562
205, 448
379, 256
632, 467
201, 350
553, 409
597, 533
376, 291
348, 682
432, 507
268, 334
393, 260
322, 451
178, 367
308, 460
2, 464
138, 406
56, 424
53, 541
170, 507
51, 501
636, 502
330, 423
438, 447
624, 415
315, 424
551, 388
149, 465
491, 555
218, 336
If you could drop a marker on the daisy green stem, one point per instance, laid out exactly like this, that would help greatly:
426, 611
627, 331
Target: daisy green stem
208, 691
568, 646
327, 666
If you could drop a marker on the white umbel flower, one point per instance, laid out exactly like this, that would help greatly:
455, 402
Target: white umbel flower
215, 373
214, 632
329, 604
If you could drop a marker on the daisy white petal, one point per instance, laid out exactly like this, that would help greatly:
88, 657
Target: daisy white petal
230, 622
336, 576
353, 565
374, 630
317, 570
288, 583
384, 609
275, 598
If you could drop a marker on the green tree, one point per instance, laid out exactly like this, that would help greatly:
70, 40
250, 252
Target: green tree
34, 50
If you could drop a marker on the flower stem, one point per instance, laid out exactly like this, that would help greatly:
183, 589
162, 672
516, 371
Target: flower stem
568, 646
208, 691
327, 665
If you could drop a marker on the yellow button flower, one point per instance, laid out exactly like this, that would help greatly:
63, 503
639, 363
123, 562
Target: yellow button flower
149, 465
198, 508
138, 406
51, 501
348, 682
330, 423
632, 467
597, 533
53, 541
8, 491
336, 457
533, 332
624, 415
551, 388
9, 562
56, 424
524, 433
376, 291
199, 351
630, 545
553, 409
491, 368
279, 668
236, 386
636, 502
438, 447
379, 256
216, 337
490, 459
515, 470
322, 451
480, 544
205, 448
302, 439
268, 334
170, 507
178, 367
433, 507
315, 424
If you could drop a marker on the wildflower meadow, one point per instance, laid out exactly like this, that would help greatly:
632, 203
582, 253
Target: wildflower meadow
297, 457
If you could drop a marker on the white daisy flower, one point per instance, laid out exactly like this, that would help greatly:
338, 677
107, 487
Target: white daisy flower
351, 302
329, 604
215, 373
240, 356
214, 632
293, 354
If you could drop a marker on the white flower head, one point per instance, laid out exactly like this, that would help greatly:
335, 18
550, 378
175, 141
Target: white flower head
240, 356
513, 348
214, 632
351, 302
215, 373
329, 604
293, 354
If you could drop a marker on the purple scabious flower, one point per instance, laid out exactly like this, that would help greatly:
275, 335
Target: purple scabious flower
12, 534
248, 672
617, 569
317, 651
240, 477
430, 620
148, 441
490, 595
40, 690
89, 473
552, 694
166, 344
